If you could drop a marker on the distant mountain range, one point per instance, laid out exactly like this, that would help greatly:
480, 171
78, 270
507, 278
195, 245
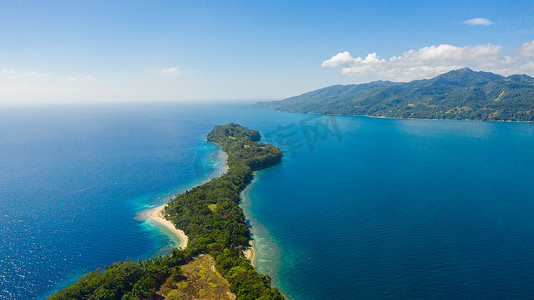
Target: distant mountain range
461, 95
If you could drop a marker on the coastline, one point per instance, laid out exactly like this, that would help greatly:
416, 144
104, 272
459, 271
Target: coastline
156, 215
251, 253
264, 253
396, 118
211, 215
215, 210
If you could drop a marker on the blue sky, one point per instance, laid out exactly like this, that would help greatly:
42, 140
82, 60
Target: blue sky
107, 51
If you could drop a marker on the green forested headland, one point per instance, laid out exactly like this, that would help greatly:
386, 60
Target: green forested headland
213, 221
459, 95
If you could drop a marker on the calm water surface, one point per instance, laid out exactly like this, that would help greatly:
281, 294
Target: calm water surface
379, 209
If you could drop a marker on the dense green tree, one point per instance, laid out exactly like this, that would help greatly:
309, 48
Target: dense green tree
220, 230
459, 95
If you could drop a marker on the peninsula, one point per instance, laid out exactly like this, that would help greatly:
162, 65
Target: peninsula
457, 95
213, 224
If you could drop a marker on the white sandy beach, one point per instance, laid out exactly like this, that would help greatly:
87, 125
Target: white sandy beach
156, 215
250, 253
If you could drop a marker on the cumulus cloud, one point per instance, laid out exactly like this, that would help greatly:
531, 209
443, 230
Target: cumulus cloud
527, 49
479, 22
170, 71
433, 60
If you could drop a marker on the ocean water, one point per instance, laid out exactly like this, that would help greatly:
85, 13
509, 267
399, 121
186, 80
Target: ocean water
359, 207
74, 179
404, 209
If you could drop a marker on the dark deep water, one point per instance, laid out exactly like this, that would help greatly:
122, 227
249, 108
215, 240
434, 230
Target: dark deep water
379, 209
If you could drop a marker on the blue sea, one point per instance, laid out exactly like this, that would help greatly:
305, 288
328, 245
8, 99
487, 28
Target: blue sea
358, 208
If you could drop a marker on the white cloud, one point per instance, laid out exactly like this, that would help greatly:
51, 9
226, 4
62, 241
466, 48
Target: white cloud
171, 71
82, 78
478, 22
13, 74
340, 59
433, 60
6, 71
527, 49
31, 88
19, 87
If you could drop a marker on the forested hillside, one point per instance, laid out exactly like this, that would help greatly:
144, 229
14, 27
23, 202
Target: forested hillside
461, 94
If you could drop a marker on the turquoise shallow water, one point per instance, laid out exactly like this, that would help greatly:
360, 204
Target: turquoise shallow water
73, 180
369, 208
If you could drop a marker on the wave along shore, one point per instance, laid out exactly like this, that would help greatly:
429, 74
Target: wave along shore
156, 215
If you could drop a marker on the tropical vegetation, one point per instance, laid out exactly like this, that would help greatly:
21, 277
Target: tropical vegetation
213, 221
460, 94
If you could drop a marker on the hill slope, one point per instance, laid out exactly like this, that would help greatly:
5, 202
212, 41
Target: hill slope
460, 94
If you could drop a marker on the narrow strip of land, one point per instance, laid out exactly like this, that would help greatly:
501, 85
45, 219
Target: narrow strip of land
211, 223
